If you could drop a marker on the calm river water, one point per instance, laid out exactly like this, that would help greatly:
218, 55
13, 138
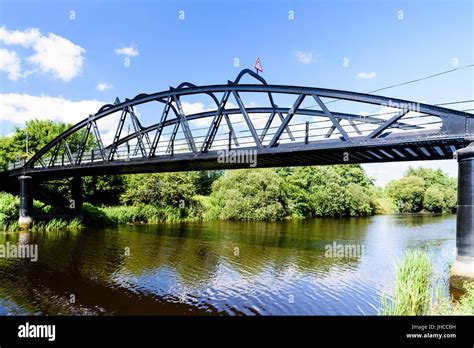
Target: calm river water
220, 267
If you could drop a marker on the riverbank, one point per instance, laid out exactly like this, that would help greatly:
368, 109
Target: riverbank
244, 195
202, 209
96, 216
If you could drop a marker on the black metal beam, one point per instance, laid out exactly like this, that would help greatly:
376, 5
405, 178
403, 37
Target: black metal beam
287, 120
334, 121
454, 123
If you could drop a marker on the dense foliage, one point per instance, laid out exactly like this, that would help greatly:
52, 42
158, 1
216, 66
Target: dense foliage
249, 194
164, 189
329, 191
40, 133
164, 196
103, 189
423, 189
269, 194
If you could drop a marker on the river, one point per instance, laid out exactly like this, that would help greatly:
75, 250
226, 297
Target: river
220, 267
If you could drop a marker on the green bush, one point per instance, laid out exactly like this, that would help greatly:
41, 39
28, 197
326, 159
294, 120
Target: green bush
255, 194
423, 189
146, 213
438, 199
9, 208
328, 191
407, 193
164, 189
94, 216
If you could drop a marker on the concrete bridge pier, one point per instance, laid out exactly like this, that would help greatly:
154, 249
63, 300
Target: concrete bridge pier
463, 267
26, 201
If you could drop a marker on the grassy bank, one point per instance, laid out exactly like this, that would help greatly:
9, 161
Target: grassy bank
225, 206
10, 206
416, 292
137, 214
45, 225
242, 195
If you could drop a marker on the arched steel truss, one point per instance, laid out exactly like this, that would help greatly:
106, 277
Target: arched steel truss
366, 138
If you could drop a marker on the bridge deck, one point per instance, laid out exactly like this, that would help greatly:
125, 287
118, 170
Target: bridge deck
298, 154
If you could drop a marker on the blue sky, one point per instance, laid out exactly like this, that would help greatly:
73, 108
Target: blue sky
62, 59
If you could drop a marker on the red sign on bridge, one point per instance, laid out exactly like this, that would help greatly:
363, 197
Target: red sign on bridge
258, 66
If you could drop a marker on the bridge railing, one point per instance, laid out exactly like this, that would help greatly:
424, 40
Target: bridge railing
13, 165
302, 132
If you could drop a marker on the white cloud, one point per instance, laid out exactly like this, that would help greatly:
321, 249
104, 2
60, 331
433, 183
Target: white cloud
10, 63
193, 108
53, 53
102, 86
25, 38
130, 51
366, 75
19, 108
305, 57
59, 56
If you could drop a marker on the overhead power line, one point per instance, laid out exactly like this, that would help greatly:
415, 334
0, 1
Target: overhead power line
422, 78
408, 82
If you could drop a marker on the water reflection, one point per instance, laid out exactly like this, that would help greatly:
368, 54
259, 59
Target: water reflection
218, 267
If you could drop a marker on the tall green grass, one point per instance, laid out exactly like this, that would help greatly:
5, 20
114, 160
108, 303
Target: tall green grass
56, 225
9, 208
412, 295
45, 226
142, 213
9, 227
416, 293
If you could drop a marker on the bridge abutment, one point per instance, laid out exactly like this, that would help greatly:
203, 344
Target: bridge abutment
26, 201
463, 267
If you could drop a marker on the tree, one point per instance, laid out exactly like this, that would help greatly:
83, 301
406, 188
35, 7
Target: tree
40, 133
98, 189
163, 189
246, 194
423, 189
203, 181
353, 173
343, 190
103, 189
430, 176
407, 193
439, 199
433, 199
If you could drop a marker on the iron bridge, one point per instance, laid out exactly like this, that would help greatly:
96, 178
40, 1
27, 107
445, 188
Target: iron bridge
282, 125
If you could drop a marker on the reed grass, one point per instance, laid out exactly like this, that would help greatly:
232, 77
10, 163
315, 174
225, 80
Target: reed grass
416, 292
412, 294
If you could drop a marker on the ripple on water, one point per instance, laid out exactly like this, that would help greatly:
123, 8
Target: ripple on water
218, 268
